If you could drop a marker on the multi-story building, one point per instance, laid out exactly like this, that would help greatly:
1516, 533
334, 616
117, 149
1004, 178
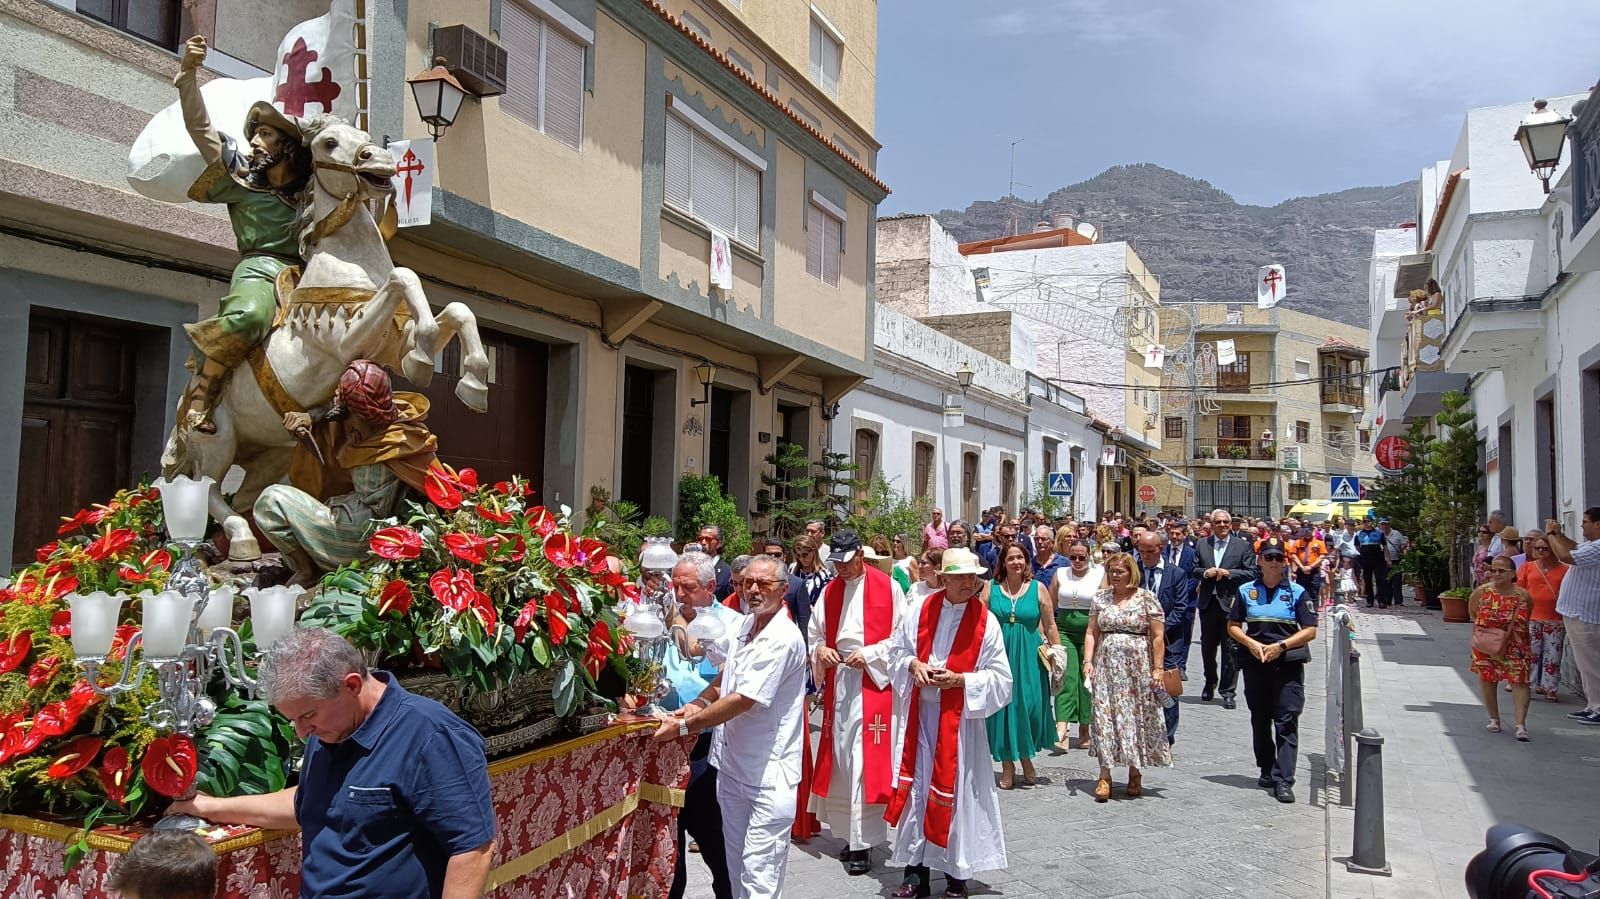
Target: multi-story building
1275, 425
1512, 320
573, 213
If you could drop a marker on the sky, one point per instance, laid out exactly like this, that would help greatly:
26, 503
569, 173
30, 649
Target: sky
1266, 99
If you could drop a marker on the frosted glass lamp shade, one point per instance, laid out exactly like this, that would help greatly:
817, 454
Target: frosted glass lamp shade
166, 623
94, 622
183, 505
658, 554
218, 611
272, 612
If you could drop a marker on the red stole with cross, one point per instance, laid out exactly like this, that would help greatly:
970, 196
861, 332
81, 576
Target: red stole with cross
877, 703
941, 807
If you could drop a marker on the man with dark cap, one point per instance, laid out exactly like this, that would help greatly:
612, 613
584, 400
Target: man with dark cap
1274, 622
380, 448
260, 184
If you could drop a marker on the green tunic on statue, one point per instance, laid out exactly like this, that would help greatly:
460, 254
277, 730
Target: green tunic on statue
1024, 726
264, 226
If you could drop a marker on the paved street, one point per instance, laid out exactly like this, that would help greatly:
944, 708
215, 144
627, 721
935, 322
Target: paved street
1446, 778
1203, 827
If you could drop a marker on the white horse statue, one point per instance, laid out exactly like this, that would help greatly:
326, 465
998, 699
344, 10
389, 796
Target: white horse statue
350, 303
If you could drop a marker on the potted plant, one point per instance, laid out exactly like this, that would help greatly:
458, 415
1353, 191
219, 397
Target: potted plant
1427, 566
1454, 603
1238, 452
1206, 452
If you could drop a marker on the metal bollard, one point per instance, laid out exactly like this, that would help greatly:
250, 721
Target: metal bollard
1351, 703
1367, 855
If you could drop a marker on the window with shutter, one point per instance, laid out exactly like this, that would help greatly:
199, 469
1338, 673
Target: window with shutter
814, 241
544, 74
711, 184
826, 53
563, 88
824, 241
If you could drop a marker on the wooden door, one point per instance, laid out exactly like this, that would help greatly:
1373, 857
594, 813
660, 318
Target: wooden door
77, 423
509, 439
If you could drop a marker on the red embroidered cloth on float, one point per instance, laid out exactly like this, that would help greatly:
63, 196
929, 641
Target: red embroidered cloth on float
593, 817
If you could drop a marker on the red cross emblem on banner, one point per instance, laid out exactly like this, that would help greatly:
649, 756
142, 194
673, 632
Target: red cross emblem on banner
295, 92
409, 165
1271, 280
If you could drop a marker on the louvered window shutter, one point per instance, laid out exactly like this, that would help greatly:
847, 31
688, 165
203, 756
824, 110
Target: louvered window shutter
713, 187
679, 141
749, 196
563, 87
522, 35
814, 241
832, 232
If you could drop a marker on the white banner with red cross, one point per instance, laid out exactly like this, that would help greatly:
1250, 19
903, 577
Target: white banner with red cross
413, 181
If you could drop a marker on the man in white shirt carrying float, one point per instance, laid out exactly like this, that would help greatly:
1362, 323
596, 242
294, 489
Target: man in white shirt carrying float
850, 628
759, 701
948, 659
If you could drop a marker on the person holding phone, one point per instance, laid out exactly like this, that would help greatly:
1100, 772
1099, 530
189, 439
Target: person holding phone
1274, 622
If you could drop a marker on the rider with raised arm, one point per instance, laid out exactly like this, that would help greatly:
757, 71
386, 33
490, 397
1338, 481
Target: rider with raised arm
261, 185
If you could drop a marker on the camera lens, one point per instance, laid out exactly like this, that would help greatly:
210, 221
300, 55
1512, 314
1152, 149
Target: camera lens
1512, 852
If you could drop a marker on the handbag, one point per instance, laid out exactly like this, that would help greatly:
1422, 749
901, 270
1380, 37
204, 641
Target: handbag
1172, 682
1297, 654
1490, 641
1055, 667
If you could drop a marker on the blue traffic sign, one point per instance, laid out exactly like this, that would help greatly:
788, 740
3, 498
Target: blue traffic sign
1346, 489
1060, 483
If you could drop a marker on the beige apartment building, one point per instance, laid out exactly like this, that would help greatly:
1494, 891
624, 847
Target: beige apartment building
573, 213
1273, 427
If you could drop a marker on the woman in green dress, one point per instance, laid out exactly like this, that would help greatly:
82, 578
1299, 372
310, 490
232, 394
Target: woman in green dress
1026, 614
1074, 592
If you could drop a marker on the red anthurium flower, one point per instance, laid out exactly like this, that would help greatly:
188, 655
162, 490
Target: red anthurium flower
556, 615
61, 624
491, 511
169, 764
156, 560
599, 648
42, 671
454, 590
131, 575
467, 547
516, 547
468, 478
442, 486
75, 756
119, 640
629, 591
116, 770
561, 551
526, 619
396, 543
81, 699
13, 743
396, 597
54, 720
543, 523
68, 525
112, 543
594, 555
46, 551
483, 607
100, 513
15, 650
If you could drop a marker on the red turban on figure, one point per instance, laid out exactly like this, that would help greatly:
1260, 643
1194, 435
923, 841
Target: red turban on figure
365, 391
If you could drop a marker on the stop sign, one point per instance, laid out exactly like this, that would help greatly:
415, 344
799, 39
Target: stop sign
1147, 494
1393, 453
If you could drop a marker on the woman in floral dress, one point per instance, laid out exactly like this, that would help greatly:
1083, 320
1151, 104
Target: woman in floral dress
1502, 604
1122, 660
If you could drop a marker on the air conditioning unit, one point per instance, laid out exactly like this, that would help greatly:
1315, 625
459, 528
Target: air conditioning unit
477, 62
1299, 477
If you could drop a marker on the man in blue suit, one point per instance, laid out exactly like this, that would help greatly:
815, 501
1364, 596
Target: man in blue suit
1171, 587
1180, 551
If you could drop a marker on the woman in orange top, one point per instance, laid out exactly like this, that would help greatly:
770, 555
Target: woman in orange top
1541, 576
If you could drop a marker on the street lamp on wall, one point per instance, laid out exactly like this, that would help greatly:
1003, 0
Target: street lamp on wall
438, 96
1543, 135
964, 376
705, 373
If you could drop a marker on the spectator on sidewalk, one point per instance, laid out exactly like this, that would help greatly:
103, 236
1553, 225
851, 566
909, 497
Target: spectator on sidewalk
1394, 548
1274, 622
1541, 576
931, 581
1497, 523
1501, 605
1480, 555
1046, 557
1511, 540
935, 533
1579, 605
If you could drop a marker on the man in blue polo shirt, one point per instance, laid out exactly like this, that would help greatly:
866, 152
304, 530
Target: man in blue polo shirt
393, 799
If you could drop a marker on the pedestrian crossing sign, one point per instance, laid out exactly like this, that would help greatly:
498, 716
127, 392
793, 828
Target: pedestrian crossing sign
1346, 489
1060, 483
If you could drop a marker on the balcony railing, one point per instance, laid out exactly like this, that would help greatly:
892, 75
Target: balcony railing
1240, 449
1343, 394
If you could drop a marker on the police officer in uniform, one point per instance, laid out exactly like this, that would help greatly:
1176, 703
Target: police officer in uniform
1274, 623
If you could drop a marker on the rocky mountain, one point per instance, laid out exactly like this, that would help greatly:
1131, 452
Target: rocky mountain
1203, 243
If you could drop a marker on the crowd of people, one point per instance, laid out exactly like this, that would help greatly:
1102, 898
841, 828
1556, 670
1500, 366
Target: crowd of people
991, 644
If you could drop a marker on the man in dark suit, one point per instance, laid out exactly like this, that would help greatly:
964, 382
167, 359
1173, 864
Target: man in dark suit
1182, 552
795, 598
711, 541
1171, 588
1226, 562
